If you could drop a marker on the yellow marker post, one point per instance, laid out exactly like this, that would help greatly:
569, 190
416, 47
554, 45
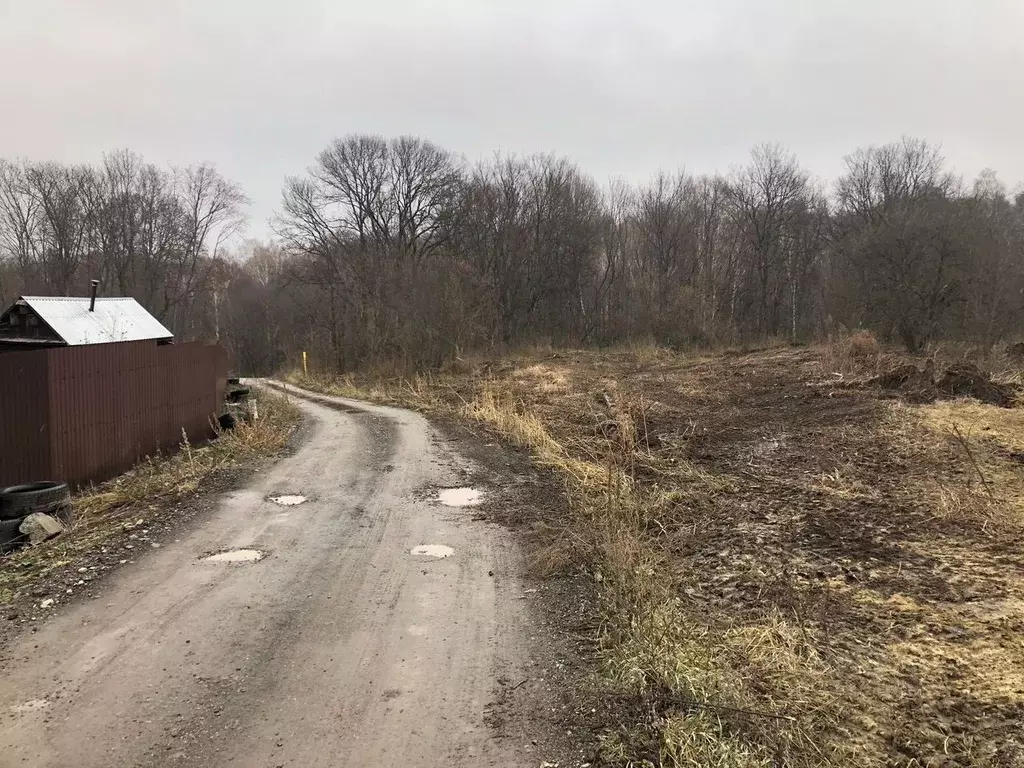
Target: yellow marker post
305, 368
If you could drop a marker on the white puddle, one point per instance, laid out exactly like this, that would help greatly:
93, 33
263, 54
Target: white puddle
235, 556
460, 497
432, 550
288, 501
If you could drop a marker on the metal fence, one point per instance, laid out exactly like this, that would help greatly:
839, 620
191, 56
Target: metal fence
84, 414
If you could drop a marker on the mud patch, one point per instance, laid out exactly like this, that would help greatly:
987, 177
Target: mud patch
288, 500
236, 556
432, 550
460, 497
324, 400
30, 706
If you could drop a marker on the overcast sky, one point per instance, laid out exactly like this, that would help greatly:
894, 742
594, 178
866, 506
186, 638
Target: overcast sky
623, 88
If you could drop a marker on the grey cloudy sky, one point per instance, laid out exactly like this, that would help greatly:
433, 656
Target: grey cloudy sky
623, 88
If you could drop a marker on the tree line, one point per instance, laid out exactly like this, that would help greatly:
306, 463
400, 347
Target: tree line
143, 231
396, 251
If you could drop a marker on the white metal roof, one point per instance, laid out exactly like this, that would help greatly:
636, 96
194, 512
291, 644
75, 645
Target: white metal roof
114, 319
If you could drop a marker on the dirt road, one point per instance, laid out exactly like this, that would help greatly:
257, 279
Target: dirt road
339, 648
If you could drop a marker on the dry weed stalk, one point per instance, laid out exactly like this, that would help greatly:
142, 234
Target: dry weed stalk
964, 441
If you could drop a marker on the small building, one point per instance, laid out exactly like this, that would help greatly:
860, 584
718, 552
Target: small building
43, 322
89, 386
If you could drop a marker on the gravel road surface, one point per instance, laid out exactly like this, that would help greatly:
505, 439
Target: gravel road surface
373, 631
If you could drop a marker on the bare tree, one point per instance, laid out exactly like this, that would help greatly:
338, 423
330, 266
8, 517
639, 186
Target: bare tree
531, 227
211, 211
19, 219
366, 220
45, 221
900, 220
767, 197
995, 251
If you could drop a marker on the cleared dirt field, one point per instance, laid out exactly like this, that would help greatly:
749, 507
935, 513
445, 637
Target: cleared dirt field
796, 567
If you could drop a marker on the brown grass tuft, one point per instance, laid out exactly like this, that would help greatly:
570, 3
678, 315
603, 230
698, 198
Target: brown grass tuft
863, 347
855, 355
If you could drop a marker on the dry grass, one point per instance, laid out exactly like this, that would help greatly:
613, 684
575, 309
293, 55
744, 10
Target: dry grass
999, 428
525, 429
990, 442
157, 481
418, 392
183, 473
852, 356
653, 647
863, 347
791, 572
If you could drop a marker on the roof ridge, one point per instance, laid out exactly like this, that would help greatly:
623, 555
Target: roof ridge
80, 298
113, 318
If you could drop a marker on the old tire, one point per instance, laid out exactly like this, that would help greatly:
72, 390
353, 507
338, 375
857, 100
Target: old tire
10, 537
237, 394
18, 501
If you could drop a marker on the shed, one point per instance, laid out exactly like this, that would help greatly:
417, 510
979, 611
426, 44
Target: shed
40, 322
92, 385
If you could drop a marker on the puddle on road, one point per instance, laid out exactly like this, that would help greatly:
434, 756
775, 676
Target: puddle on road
235, 556
432, 550
289, 500
460, 497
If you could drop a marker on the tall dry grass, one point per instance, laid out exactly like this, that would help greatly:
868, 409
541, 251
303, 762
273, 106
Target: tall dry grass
654, 647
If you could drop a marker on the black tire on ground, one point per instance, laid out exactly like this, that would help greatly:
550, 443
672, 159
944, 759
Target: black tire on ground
10, 537
227, 421
21, 500
237, 394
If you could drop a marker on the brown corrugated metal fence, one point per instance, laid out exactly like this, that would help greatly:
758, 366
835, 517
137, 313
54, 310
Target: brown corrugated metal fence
84, 414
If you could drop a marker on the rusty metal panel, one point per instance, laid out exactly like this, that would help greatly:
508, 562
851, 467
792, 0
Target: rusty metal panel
87, 399
24, 417
105, 406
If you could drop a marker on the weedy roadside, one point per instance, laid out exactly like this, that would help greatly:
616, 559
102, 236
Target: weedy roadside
115, 521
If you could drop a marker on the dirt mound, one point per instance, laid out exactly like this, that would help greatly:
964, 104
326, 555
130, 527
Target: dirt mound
958, 380
968, 380
914, 384
901, 377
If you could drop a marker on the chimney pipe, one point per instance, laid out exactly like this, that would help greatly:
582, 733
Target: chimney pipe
92, 301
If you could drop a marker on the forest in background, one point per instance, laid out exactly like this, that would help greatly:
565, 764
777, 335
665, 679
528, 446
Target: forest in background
397, 253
